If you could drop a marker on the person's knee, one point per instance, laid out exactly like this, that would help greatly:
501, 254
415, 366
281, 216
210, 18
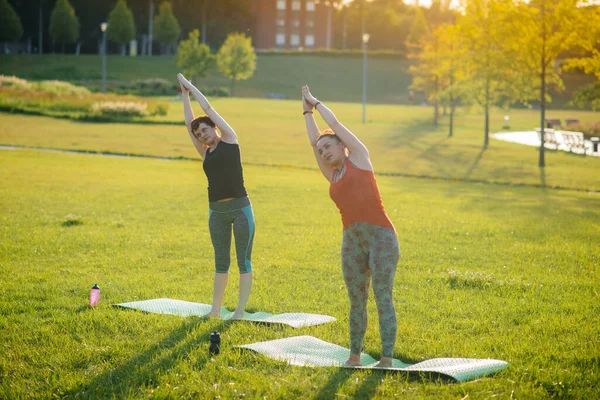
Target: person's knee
245, 266
222, 268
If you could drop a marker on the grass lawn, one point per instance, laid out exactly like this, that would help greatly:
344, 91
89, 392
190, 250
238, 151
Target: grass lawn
401, 140
492, 271
338, 76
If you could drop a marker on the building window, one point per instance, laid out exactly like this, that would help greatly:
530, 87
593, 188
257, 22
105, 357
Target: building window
310, 5
281, 4
280, 19
295, 40
280, 39
296, 5
310, 23
309, 40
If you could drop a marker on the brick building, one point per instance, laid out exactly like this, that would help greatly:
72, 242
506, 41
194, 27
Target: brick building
292, 24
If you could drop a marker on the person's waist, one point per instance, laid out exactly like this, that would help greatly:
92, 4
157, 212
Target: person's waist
229, 204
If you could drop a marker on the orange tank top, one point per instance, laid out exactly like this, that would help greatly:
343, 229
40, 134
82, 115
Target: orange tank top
357, 197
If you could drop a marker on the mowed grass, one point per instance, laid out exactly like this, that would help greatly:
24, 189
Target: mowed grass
494, 271
401, 140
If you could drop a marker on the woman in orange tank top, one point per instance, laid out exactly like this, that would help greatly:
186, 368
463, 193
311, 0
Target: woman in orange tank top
370, 249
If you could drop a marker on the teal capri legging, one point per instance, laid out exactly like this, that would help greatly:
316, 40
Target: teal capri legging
222, 216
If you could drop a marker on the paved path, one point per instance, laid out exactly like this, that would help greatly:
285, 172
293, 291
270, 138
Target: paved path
530, 138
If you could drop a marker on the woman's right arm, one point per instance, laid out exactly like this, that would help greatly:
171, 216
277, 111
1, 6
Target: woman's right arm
189, 117
313, 135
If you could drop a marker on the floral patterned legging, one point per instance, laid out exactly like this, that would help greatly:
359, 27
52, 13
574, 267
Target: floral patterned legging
370, 250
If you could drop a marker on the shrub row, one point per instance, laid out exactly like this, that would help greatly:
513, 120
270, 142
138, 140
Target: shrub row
57, 98
589, 130
350, 53
148, 87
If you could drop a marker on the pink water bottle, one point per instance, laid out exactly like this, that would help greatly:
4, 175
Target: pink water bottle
94, 295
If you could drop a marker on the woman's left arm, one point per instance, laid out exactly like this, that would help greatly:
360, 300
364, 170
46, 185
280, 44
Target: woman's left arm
358, 152
227, 133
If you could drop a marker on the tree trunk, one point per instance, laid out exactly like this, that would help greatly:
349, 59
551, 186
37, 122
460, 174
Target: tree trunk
150, 28
542, 162
78, 48
436, 106
41, 33
451, 112
232, 86
123, 49
486, 139
204, 10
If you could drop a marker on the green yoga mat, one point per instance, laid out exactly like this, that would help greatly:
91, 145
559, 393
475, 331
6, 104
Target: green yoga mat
187, 308
310, 351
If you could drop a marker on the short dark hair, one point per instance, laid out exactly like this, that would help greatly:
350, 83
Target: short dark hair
328, 133
203, 119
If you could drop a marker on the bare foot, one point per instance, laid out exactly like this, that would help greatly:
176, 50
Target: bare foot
214, 314
385, 362
237, 315
353, 361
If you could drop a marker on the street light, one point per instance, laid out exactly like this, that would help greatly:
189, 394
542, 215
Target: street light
103, 27
365, 40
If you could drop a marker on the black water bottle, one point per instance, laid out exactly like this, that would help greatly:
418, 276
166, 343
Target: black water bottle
215, 343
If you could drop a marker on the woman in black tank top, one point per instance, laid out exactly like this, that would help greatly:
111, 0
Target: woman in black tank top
229, 205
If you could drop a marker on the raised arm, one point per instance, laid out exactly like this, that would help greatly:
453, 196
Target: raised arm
189, 117
313, 135
358, 152
227, 133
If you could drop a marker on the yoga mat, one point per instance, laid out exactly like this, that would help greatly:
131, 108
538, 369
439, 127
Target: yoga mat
310, 351
187, 308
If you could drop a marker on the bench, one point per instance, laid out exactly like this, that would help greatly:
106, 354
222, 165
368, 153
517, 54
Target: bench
571, 121
574, 140
553, 123
549, 136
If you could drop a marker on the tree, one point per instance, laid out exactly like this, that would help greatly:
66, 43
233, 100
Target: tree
121, 27
426, 74
419, 30
194, 57
486, 67
451, 69
64, 25
236, 58
166, 27
541, 31
589, 61
11, 29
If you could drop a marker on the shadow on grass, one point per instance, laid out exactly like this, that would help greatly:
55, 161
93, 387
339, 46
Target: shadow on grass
474, 164
543, 178
145, 368
368, 386
409, 135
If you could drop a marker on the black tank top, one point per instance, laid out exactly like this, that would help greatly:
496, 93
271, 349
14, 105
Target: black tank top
223, 168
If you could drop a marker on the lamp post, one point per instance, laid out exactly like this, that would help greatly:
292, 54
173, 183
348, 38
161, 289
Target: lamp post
365, 40
103, 27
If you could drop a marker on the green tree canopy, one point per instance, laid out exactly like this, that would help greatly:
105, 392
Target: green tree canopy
540, 32
419, 30
64, 25
121, 26
166, 29
484, 61
236, 58
10, 24
194, 57
589, 61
